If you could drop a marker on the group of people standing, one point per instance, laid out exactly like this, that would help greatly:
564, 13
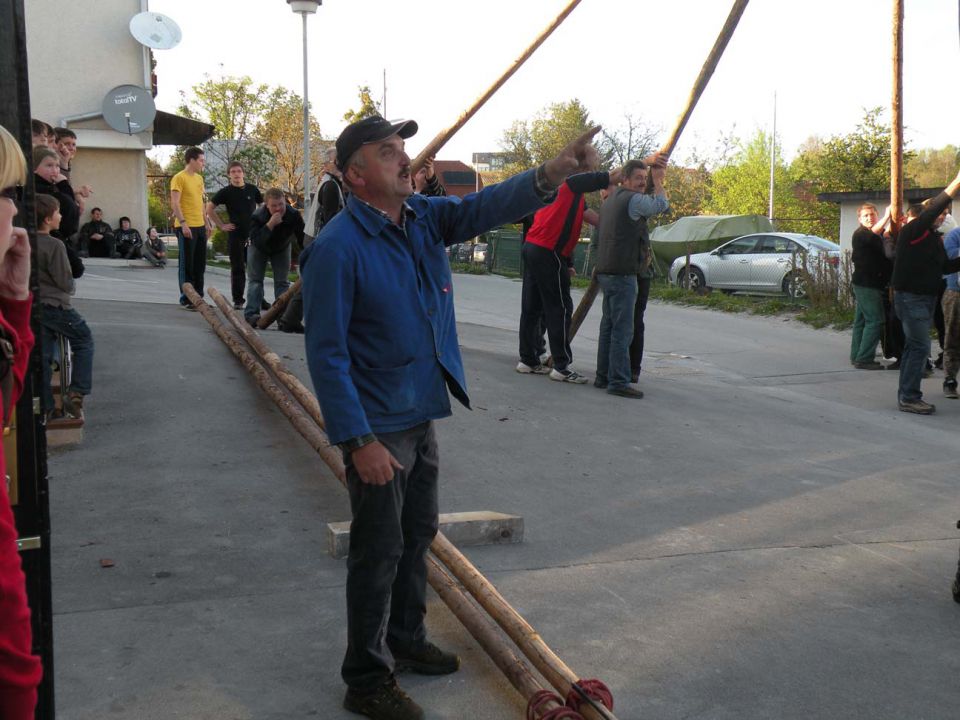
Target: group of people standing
900, 281
621, 245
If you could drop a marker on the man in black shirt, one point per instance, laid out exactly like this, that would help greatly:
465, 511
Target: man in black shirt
241, 199
918, 273
96, 236
274, 228
871, 273
129, 242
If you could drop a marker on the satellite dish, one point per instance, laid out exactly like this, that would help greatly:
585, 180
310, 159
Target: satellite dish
129, 109
155, 30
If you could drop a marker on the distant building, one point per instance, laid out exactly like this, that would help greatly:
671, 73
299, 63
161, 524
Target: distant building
70, 74
849, 202
491, 161
457, 177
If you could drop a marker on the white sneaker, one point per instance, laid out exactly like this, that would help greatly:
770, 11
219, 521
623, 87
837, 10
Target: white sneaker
525, 369
568, 376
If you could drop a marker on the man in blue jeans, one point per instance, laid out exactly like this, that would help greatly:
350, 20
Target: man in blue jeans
623, 250
918, 273
273, 228
381, 342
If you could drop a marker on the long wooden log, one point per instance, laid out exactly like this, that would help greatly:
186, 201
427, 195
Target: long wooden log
487, 635
269, 357
586, 302
896, 120
528, 640
706, 72
481, 628
266, 320
293, 410
433, 147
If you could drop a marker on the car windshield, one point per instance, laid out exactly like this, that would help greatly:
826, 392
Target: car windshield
820, 244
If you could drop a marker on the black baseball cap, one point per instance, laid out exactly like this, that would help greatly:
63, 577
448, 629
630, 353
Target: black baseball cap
369, 130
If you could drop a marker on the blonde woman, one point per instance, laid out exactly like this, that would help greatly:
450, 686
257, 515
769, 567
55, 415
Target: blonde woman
19, 670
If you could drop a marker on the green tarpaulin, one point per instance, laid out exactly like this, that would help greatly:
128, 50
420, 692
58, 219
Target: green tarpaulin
702, 233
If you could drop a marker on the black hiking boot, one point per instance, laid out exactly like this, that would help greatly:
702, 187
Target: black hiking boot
387, 702
426, 660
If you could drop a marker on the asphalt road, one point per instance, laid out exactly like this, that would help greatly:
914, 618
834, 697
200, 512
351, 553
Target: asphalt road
762, 536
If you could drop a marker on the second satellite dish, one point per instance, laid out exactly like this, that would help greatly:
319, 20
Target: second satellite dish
129, 109
155, 30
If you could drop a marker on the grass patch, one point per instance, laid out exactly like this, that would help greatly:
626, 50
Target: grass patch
469, 268
768, 305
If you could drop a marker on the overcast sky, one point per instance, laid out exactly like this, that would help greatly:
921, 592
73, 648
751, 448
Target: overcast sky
826, 60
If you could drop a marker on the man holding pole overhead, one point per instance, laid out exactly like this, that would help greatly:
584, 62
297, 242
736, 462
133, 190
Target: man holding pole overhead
382, 350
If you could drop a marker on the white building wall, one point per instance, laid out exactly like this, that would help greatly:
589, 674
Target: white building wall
848, 219
76, 52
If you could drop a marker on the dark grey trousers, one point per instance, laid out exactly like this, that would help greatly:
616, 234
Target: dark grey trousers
393, 526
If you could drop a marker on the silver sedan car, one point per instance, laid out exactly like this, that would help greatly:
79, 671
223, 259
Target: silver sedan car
762, 262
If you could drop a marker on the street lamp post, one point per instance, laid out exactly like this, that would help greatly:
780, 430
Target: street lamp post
304, 8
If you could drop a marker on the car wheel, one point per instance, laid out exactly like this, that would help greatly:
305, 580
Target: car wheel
692, 279
795, 285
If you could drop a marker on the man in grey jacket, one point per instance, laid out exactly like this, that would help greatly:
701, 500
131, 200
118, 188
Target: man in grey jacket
623, 255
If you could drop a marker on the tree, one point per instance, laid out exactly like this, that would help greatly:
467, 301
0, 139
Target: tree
368, 106
235, 107
280, 131
158, 195
742, 187
857, 161
689, 191
634, 139
929, 168
540, 139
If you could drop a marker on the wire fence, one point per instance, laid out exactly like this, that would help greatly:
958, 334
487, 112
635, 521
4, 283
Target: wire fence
503, 254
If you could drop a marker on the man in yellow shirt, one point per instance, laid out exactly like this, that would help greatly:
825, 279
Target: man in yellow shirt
186, 199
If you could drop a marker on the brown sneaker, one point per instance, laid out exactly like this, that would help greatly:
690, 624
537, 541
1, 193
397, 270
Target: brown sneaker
387, 702
73, 404
426, 660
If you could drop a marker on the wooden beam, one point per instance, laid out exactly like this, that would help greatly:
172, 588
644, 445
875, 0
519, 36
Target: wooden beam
309, 423
433, 147
266, 320
706, 72
896, 120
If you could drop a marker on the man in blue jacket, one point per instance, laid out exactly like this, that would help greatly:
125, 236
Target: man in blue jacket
382, 350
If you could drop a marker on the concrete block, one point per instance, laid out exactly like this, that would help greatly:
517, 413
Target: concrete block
64, 432
463, 529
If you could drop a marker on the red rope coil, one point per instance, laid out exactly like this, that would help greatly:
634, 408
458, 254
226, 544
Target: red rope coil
595, 690
540, 699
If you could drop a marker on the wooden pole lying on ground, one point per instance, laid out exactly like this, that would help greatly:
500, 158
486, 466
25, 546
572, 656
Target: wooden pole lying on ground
517, 629
294, 412
896, 120
480, 627
279, 306
433, 147
706, 72
487, 635
272, 360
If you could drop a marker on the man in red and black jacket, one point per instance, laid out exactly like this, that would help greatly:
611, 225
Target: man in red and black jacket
918, 272
547, 267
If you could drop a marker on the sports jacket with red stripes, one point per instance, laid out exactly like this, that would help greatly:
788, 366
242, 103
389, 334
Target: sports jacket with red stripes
557, 226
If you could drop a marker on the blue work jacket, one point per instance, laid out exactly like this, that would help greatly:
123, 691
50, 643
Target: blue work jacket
381, 334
